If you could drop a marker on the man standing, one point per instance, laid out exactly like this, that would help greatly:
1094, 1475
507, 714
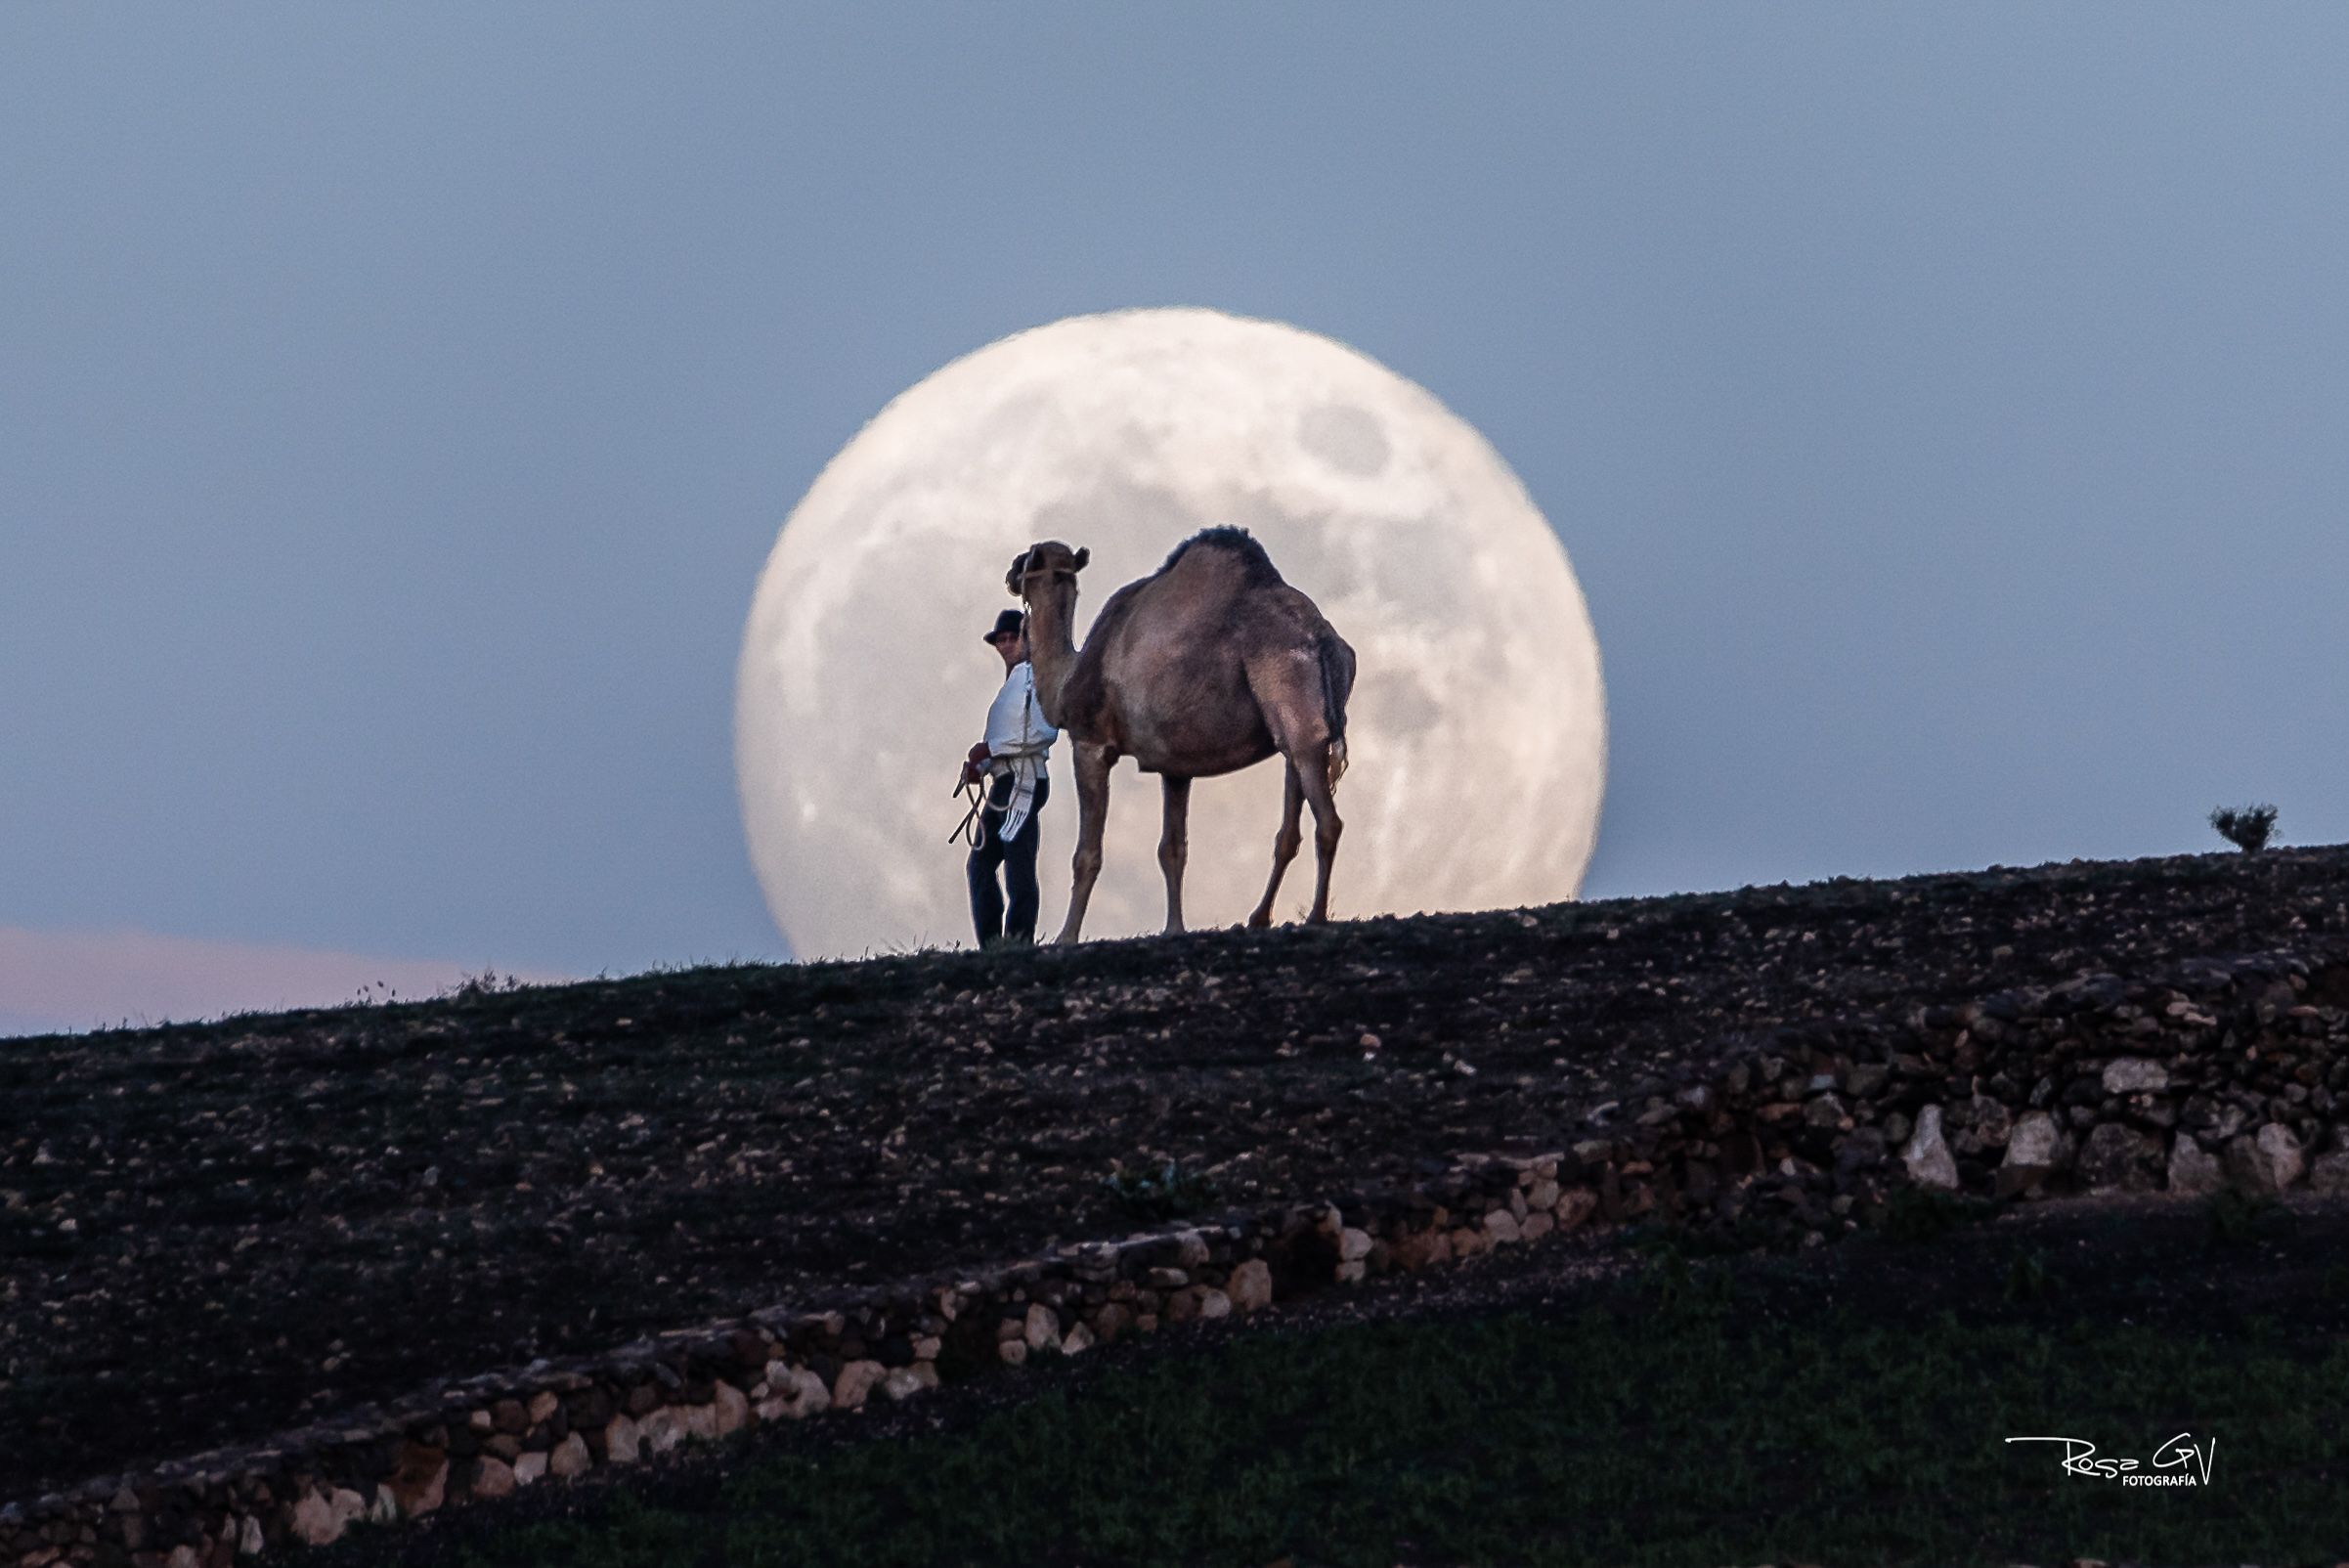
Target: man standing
1012, 760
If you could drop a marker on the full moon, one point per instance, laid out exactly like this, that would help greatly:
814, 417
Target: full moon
1477, 726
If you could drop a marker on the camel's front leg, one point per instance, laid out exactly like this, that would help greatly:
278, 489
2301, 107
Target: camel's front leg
1093, 764
1174, 846
1285, 845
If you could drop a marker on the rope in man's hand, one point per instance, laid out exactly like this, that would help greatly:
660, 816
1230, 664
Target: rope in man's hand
971, 829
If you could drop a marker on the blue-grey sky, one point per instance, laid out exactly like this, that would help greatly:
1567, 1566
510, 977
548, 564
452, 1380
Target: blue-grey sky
1945, 410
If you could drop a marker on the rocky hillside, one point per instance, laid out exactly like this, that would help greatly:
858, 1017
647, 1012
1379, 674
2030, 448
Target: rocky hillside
214, 1232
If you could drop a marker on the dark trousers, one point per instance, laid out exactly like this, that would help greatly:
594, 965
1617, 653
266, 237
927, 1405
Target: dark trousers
1018, 858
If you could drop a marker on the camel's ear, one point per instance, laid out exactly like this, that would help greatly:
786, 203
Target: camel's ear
1010, 579
1083, 556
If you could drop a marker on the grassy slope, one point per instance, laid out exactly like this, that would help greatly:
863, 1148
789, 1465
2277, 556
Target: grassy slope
1715, 1413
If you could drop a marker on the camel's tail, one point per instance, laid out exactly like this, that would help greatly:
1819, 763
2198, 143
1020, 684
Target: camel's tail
1338, 683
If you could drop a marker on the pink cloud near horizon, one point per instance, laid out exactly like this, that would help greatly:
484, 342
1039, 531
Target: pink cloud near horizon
80, 980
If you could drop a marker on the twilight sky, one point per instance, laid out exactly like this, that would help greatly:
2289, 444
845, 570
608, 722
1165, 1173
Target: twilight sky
1946, 409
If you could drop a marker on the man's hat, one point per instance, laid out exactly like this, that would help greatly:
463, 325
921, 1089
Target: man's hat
1008, 623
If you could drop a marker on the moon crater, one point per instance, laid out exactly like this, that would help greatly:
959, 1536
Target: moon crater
1345, 438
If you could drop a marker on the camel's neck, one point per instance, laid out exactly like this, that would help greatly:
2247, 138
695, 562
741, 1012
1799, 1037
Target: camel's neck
1052, 648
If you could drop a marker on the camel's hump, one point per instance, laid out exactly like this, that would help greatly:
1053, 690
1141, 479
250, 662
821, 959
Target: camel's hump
1256, 566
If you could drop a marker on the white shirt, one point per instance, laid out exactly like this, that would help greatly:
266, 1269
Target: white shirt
1016, 726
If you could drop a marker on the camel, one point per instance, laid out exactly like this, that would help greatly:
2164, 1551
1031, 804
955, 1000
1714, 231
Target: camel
1209, 665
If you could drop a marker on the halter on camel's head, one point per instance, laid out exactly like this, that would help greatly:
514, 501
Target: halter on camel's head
1051, 561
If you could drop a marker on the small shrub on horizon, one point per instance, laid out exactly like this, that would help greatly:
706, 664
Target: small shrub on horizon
2246, 827
489, 982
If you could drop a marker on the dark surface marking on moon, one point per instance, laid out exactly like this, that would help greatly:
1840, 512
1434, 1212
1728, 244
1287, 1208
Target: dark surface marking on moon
1013, 421
1406, 706
1423, 567
1068, 517
1346, 437
1310, 557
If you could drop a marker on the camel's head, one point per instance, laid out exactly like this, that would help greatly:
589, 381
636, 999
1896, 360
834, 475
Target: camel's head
1039, 566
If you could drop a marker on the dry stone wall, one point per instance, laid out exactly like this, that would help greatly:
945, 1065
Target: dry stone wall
2222, 1073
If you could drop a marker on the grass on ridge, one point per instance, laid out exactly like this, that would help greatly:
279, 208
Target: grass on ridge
1698, 1433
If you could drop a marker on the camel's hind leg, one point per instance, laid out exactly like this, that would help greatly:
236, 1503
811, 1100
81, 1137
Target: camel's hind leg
1285, 845
1312, 773
1093, 764
1174, 846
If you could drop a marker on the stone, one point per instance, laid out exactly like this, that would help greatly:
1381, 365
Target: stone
2132, 1075
2193, 1172
1419, 1249
2329, 1174
1041, 1330
1075, 1342
1352, 1244
1250, 1285
659, 1430
531, 1467
1536, 1225
543, 1404
904, 1382
1861, 1148
491, 1478
312, 1522
2036, 1149
510, 1415
1111, 1320
1926, 1154
2268, 1160
420, 1480
1541, 1195
2116, 1158
249, 1539
385, 1510
569, 1457
794, 1392
1014, 1352
701, 1422
808, 1393
730, 1409
856, 1383
1574, 1206
1500, 1226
